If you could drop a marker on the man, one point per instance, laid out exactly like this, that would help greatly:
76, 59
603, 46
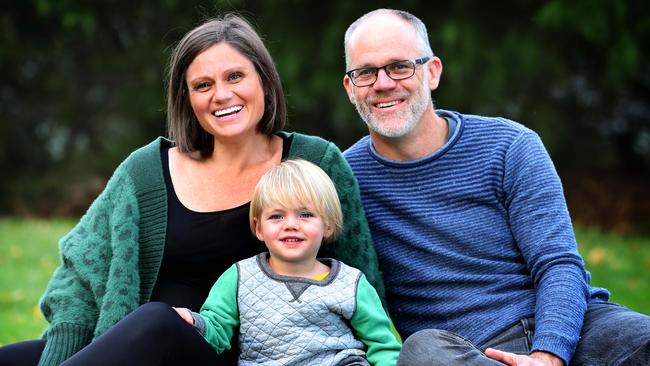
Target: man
470, 223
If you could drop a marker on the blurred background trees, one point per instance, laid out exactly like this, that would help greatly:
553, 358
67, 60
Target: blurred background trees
83, 83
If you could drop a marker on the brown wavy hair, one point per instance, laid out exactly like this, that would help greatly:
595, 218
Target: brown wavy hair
182, 125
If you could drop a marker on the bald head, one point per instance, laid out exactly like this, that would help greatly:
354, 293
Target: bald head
396, 20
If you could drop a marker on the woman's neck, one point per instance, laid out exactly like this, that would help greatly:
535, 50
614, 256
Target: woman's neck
227, 178
241, 154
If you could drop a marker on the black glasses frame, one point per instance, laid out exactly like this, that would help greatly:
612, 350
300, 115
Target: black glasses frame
375, 71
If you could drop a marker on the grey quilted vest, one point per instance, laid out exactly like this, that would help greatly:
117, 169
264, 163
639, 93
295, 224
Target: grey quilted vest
296, 321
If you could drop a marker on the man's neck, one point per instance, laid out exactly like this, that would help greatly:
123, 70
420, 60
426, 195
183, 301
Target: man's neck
428, 137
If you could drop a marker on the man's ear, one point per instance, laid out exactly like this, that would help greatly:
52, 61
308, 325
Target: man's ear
435, 71
347, 84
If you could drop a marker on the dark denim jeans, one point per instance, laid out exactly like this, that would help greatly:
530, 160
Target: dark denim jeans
612, 335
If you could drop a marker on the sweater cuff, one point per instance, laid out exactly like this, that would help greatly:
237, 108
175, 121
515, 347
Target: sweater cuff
557, 346
199, 323
62, 341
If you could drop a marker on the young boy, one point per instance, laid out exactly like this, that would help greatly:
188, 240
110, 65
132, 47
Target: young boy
291, 308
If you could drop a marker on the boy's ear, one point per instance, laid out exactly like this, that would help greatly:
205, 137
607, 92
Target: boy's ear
329, 230
258, 232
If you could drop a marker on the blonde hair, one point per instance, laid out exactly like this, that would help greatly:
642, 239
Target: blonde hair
298, 183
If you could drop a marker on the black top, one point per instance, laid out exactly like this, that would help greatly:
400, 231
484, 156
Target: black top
200, 246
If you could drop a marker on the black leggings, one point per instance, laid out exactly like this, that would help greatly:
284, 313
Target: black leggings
26, 353
153, 334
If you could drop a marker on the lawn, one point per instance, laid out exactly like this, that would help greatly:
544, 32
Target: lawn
29, 254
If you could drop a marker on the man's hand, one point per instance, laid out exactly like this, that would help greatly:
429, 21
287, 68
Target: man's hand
185, 314
537, 358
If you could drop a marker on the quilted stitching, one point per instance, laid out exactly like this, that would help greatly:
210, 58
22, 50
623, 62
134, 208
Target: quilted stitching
276, 329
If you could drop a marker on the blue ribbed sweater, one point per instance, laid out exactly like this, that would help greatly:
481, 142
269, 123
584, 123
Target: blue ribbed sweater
476, 236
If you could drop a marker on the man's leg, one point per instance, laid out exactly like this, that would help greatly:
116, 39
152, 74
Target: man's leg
517, 339
440, 347
613, 335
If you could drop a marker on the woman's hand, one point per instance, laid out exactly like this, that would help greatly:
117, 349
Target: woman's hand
186, 314
534, 359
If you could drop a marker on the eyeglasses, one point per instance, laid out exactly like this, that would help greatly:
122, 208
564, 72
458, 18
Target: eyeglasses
397, 70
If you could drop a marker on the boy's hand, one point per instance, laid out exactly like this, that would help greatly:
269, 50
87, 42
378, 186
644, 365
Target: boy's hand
185, 314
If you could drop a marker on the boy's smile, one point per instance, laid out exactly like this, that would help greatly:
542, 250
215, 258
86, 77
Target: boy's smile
292, 235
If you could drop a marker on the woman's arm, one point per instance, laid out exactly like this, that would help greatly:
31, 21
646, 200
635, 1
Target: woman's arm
103, 243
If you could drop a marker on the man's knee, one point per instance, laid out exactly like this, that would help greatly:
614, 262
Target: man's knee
639, 357
624, 333
433, 347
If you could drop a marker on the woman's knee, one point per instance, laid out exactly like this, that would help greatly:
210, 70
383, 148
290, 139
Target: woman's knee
155, 318
153, 309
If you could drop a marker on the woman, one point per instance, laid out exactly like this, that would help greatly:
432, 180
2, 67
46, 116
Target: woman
174, 215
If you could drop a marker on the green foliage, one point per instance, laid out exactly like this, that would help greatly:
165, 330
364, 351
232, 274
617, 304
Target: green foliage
83, 83
29, 255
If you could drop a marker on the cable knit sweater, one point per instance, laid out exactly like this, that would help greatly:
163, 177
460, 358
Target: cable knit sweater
476, 236
110, 259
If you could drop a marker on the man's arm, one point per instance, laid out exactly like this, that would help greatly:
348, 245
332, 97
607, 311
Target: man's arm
542, 228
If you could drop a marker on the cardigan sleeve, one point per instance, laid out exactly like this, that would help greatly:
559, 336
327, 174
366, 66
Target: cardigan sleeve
101, 243
354, 246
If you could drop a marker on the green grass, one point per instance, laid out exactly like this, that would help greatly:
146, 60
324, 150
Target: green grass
29, 255
620, 264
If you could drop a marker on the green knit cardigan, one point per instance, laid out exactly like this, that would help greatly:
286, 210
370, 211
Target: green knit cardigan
110, 259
